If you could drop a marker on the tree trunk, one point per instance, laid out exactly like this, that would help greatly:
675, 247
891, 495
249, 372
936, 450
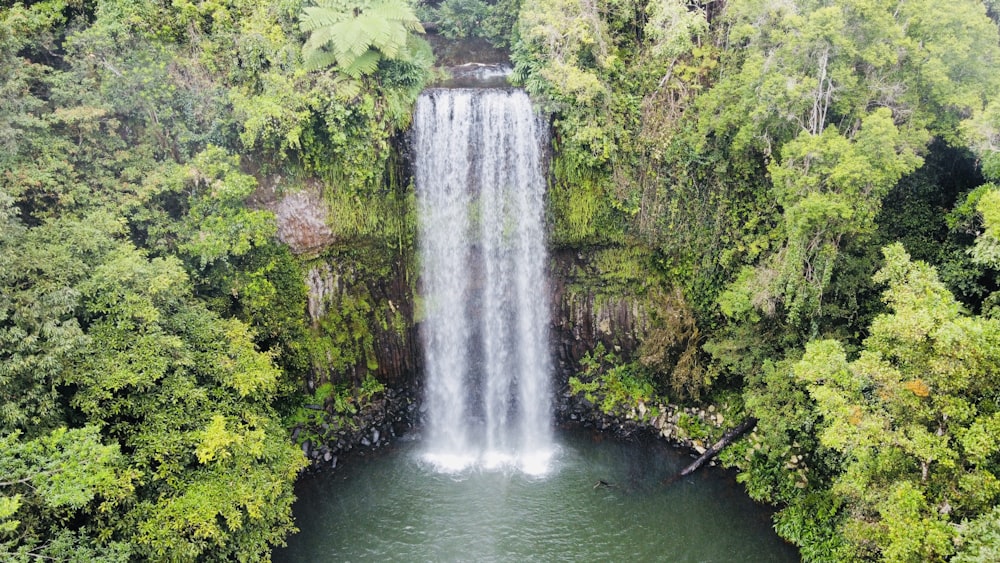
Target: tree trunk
740, 429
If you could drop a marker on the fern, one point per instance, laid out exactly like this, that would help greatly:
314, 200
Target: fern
357, 34
319, 58
365, 64
314, 18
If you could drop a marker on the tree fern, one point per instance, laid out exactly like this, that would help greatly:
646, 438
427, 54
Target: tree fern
316, 17
356, 34
319, 58
365, 64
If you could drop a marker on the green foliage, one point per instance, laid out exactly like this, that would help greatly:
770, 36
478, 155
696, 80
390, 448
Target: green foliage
239, 504
671, 27
493, 20
980, 539
588, 389
333, 126
625, 387
752, 147
694, 427
370, 387
784, 460
752, 154
564, 54
617, 388
131, 408
345, 339
811, 522
38, 331
830, 187
672, 345
387, 218
53, 479
332, 407
66, 469
983, 130
832, 175
356, 35
986, 250
910, 416
219, 225
460, 18
912, 214
158, 362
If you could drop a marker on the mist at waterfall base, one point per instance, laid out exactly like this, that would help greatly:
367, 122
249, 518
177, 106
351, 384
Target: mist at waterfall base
487, 477
480, 197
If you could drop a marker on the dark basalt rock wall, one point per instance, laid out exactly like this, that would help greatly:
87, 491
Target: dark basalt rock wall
587, 311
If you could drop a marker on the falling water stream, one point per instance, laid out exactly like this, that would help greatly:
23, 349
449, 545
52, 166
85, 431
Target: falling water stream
480, 193
488, 478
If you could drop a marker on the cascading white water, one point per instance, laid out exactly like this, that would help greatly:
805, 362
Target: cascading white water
480, 194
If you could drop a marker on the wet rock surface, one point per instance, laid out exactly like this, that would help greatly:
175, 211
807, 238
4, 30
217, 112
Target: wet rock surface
660, 420
375, 426
583, 315
302, 220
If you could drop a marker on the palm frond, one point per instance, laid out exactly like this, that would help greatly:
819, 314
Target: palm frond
396, 42
338, 5
418, 52
380, 33
357, 33
318, 39
346, 88
397, 10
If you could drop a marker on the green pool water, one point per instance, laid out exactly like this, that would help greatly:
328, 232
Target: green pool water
392, 506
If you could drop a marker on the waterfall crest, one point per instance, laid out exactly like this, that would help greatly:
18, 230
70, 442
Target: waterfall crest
480, 193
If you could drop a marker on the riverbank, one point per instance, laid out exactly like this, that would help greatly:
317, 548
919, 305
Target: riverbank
396, 412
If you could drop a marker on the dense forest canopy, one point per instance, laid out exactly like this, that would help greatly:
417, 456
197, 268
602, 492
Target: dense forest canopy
764, 152
804, 193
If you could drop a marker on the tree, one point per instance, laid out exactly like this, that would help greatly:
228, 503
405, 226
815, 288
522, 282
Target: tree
54, 479
913, 417
830, 187
189, 395
980, 539
847, 94
357, 34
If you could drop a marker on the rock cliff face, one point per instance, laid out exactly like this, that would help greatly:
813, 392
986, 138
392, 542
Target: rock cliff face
302, 221
364, 316
587, 310
360, 285
375, 314
360, 307
362, 302
359, 264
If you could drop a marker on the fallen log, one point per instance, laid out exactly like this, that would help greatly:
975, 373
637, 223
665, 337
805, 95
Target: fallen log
734, 433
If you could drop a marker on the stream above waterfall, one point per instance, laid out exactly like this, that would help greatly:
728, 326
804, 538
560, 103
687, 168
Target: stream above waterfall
392, 506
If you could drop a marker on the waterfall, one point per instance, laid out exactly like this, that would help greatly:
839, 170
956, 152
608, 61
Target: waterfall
480, 193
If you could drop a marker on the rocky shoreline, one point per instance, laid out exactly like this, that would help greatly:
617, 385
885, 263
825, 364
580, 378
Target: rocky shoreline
380, 421
397, 412
688, 428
